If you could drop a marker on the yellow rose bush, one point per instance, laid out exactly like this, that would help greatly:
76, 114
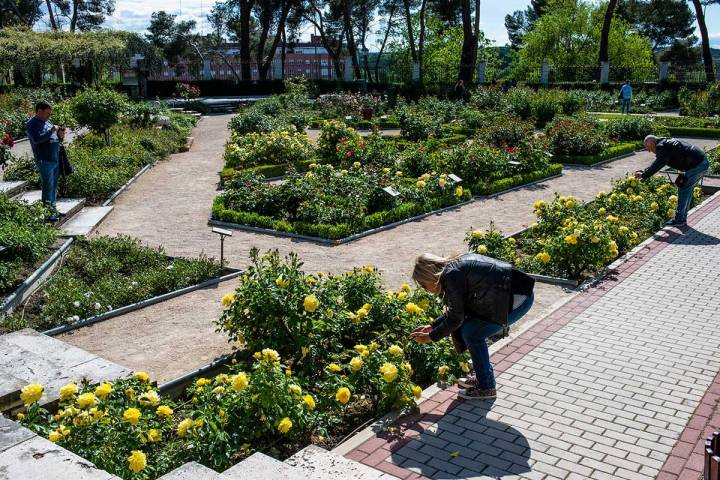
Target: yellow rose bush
573, 239
253, 149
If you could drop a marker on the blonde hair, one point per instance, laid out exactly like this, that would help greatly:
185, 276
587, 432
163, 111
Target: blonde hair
429, 269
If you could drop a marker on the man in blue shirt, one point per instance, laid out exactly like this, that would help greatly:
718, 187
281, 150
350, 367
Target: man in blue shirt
625, 97
45, 139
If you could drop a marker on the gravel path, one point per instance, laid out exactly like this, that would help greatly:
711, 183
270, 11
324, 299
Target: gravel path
170, 206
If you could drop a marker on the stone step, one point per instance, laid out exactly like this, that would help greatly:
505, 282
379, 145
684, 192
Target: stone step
188, 144
192, 471
12, 187
27, 356
85, 221
24, 455
259, 466
66, 206
320, 464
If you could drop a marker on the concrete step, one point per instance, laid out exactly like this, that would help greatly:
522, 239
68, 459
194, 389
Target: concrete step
66, 206
24, 455
320, 464
12, 187
192, 471
188, 144
259, 466
85, 221
27, 356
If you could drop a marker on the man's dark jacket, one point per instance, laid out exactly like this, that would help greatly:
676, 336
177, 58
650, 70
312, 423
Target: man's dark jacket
40, 134
476, 286
674, 153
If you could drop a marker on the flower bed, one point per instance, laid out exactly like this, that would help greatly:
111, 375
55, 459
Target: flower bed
342, 355
103, 274
100, 170
575, 240
25, 240
330, 204
609, 153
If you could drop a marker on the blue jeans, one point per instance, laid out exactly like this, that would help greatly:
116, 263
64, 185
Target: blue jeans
49, 172
625, 105
475, 332
694, 175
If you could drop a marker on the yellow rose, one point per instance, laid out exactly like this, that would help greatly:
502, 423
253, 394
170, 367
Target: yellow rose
367, 307
673, 199
442, 182
420, 184
154, 435
389, 372
356, 364
282, 282
481, 249
31, 393
309, 402
55, 436
219, 390
602, 211
87, 400
670, 213
285, 425
395, 349
571, 239
137, 461
343, 395
149, 399
477, 234
164, 411
417, 391
405, 287
569, 203
360, 348
270, 355
240, 382
20, 416
402, 295
361, 313
356, 165
103, 390
311, 303
132, 416
142, 376
539, 205
334, 367
465, 367
184, 426
413, 309
459, 191
398, 173
443, 370
612, 219
295, 389
227, 299
543, 257
68, 392
654, 206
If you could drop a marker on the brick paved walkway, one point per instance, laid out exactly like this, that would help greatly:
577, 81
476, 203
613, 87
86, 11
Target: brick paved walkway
622, 382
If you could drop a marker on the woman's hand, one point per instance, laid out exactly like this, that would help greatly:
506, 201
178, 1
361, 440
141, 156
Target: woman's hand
422, 334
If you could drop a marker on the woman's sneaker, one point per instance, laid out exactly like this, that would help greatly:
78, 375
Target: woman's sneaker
477, 393
468, 382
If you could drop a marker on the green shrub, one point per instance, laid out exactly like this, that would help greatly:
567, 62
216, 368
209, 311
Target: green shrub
502, 130
610, 152
520, 102
545, 106
99, 109
333, 132
575, 136
254, 149
702, 103
631, 128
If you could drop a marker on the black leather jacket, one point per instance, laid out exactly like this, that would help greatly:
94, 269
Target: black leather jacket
481, 287
678, 154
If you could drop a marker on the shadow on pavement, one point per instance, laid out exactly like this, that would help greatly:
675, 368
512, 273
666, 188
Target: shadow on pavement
686, 236
465, 443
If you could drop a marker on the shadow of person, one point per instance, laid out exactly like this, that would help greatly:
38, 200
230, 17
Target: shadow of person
690, 236
465, 443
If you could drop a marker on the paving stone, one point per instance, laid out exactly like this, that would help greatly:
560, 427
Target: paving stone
192, 471
12, 433
315, 463
12, 187
85, 221
40, 459
259, 466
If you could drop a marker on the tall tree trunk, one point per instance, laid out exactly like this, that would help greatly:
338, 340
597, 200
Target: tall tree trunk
73, 19
476, 29
51, 15
707, 56
352, 48
245, 59
411, 36
384, 42
264, 63
467, 61
421, 40
605, 34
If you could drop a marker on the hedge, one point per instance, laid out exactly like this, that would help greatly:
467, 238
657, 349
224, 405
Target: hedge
268, 171
609, 153
455, 139
694, 132
403, 211
483, 188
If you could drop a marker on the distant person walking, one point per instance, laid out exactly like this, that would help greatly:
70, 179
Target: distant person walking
460, 90
684, 157
483, 297
625, 97
45, 139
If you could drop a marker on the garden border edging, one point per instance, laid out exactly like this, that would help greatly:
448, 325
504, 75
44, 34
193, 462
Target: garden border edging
233, 272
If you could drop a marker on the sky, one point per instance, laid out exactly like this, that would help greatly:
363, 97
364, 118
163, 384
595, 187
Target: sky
135, 15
